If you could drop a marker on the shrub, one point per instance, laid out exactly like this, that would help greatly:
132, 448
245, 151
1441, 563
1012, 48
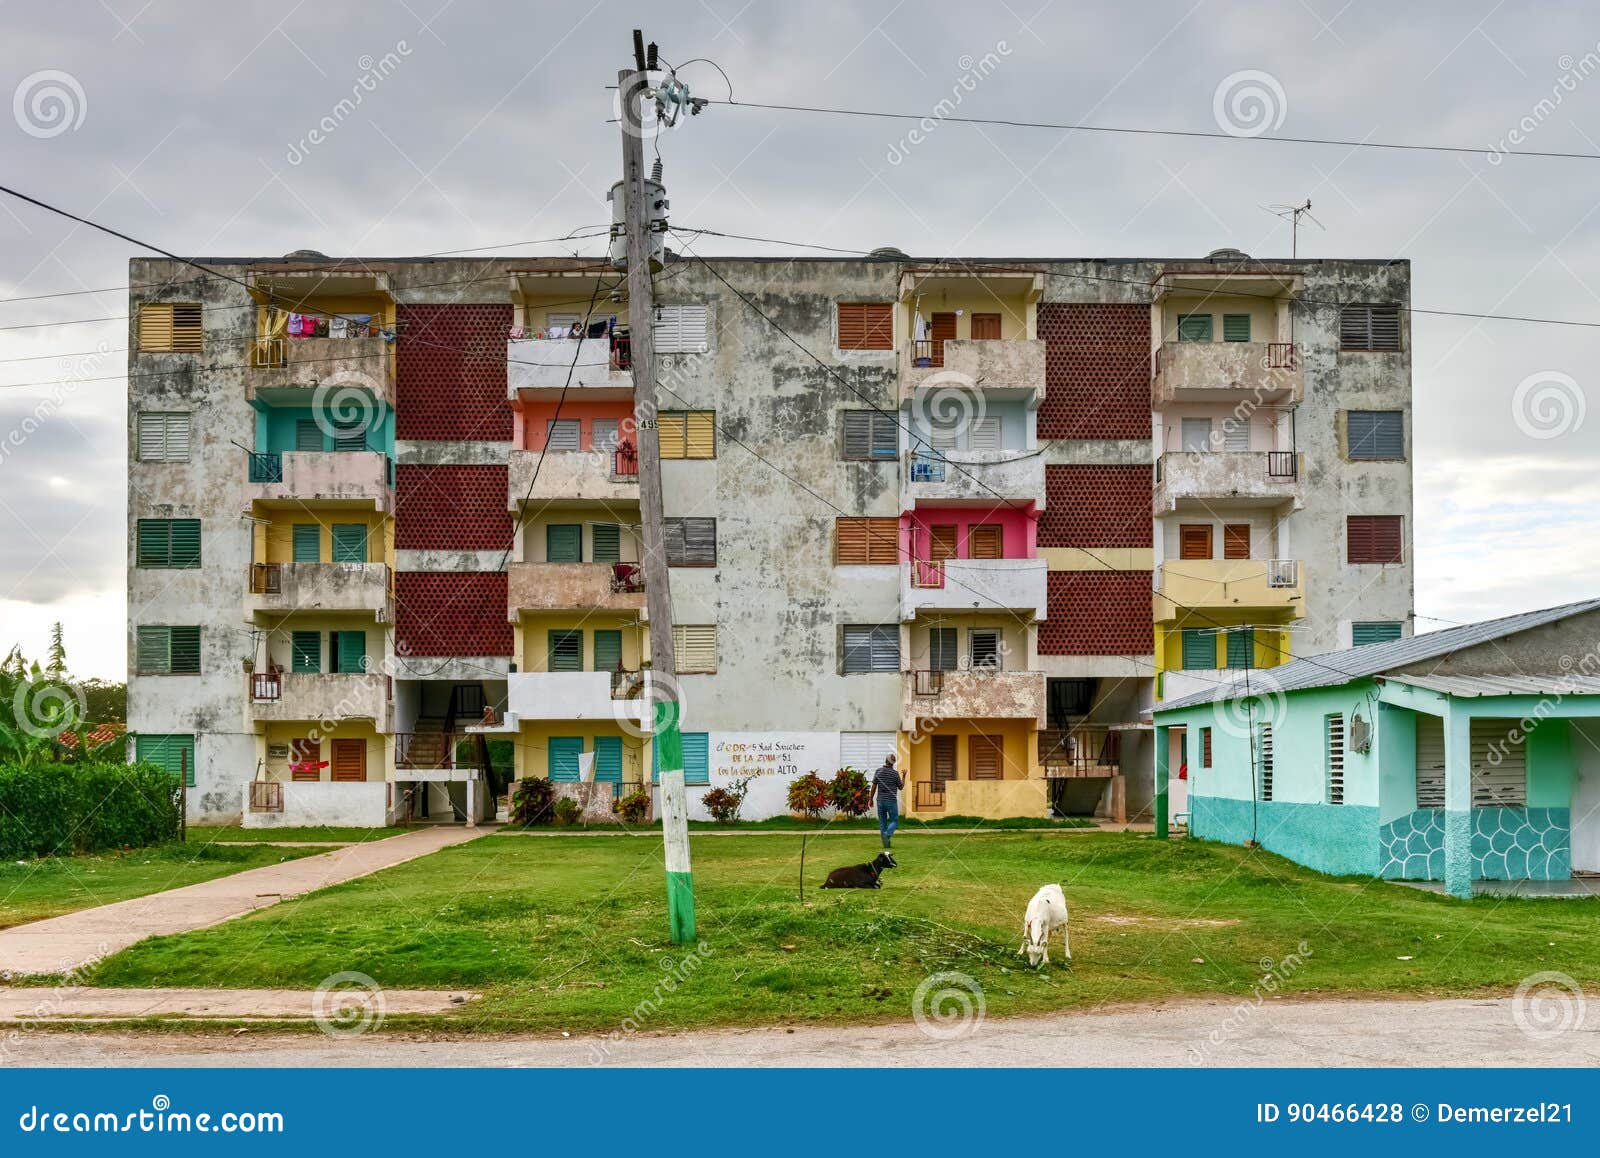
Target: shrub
531, 803
850, 792
57, 809
724, 803
634, 808
808, 795
568, 812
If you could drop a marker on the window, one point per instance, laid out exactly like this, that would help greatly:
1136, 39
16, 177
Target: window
695, 648
563, 543
566, 650
984, 434
1194, 541
349, 543
943, 650
305, 751
1335, 750
349, 436
349, 761
168, 651
168, 543
985, 327
347, 652
608, 759
308, 436
871, 648
1264, 758
944, 759
607, 542
1498, 760
681, 329
1375, 631
866, 540
607, 650
603, 434
163, 437
305, 651
1194, 327
170, 328
564, 752
687, 433
1236, 434
1369, 328
941, 542
866, 326
985, 757
690, 542
1236, 540
561, 434
1205, 747
985, 541
1242, 648
1199, 650
1196, 435
173, 753
1375, 435
865, 750
985, 643
307, 542
871, 435
696, 758
1373, 539
1235, 327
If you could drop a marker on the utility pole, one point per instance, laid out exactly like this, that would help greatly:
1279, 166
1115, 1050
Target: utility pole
661, 695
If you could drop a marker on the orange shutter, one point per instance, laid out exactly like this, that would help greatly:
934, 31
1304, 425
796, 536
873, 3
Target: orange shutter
983, 755
941, 542
984, 541
866, 326
944, 758
943, 330
1236, 541
1194, 541
860, 540
1373, 539
349, 759
986, 327
305, 752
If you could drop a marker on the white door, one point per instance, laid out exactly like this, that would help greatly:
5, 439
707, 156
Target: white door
1586, 796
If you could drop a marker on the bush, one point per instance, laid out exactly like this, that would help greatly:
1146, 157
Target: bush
850, 792
808, 795
634, 808
568, 812
724, 803
531, 803
57, 809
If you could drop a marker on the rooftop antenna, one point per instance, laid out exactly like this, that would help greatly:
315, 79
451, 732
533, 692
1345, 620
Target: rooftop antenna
1294, 212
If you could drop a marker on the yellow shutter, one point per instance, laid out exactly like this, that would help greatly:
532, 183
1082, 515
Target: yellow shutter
672, 428
696, 646
155, 328
701, 434
171, 327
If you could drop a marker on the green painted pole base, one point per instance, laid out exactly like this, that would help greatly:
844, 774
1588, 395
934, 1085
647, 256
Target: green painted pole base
680, 908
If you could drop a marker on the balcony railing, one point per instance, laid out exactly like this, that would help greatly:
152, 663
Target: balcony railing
625, 462
1282, 464
1080, 752
927, 467
266, 467
927, 795
627, 578
433, 750
1283, 573
929, 682
927, 574
627, 684
266, 686
266, 578
1283, 356
928, 352
266, 796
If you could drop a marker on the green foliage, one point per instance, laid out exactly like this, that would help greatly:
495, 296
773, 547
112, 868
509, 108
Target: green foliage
850, 792
55, 809
531, 802
634, 808
106, 702
568, 812
56, 656
809, 794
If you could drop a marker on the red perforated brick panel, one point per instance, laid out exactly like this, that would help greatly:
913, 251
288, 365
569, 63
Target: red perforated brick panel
1096, 506
451, 613
1096, 370
1098, 613
450, 372
451, 508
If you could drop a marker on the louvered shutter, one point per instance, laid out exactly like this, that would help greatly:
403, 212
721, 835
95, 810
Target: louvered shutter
1369, 327
308, 436
1194, 328
351, 647
941, 542
700, 434
864, 751
883, 540
1373, 539
607, 650
1374, 631
603, 434
608, 759
672, 430
564, 753
1375, 435
153, 654
185, 650
1335, 755
866, 326
985, 434
1199, 650
858, 427
942, 649
1264, 759
1236, 434
1196, 435
171, 327
690, 542
173, 753
164, 437
681, 329
307, 542
1241, 648
1205, 747
1385, 323
985, 541
607, 542
1430, 761
183, 544
944, 758
154, 543
563, 543
695, 647
871, 648
188, 330
349, 760
984, 757
1236, 541
349, 543
696, 758
348, 438
305, 751
985, 648
1194, 541
1235, 327
885, 436
1499, 765
561, 434
566, 651
305, 651
155, 328
850, 540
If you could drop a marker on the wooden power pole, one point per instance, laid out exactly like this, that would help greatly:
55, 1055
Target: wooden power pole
661, 694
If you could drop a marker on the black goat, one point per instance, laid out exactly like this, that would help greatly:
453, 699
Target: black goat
861, 876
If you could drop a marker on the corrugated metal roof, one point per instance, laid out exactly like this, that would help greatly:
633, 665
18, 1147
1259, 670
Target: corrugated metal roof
1353, 663
1559, 684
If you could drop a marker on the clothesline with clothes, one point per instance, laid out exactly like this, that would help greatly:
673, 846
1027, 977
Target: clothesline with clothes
301, 325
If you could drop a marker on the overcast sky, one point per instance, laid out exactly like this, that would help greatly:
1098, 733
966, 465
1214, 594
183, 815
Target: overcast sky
188, 124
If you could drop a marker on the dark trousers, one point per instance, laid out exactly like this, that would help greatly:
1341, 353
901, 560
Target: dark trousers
888, 817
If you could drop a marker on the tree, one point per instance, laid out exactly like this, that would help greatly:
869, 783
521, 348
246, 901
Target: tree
56, 657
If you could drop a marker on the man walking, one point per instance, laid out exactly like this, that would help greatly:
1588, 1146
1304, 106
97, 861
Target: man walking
886, 785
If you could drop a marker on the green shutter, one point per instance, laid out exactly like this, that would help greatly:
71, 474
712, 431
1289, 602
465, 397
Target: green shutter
174, 753
564, 752
607, 650
349, 543
1199, 650
307, 435
154, 652
350, 649
307, 543
1241, 648
696, 758
305, 651
1235, 327
185, 543
608, 759
185, 653
1194, 328
607, 543
1376, 631
348, 437
566, 651
563, 543
155, 542
168, 543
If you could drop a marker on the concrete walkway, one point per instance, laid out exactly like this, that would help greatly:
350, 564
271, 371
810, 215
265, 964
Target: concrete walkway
74, 1003
67, 943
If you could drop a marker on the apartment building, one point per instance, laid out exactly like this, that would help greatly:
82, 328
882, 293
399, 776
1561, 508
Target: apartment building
383, 519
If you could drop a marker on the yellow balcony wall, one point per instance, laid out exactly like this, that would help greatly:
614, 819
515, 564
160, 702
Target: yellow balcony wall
531, 637
1229, 584
1020, 792
280, 736
531, 745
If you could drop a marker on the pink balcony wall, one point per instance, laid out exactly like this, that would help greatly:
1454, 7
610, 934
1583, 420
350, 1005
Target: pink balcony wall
1018, 529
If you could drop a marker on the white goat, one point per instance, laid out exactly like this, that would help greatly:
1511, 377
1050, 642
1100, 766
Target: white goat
1046, 913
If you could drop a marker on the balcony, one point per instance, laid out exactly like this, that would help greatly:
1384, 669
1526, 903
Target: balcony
1013, 366
1258, 372
572, 476
977, 693
576, 695
306, 363
292, 696
973, 476
574, 587
318, 587
973, 584
355, 478
593, 368
1227, 478
1222, 584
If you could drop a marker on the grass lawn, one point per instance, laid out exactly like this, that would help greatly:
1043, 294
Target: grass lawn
570, 934
36, 889
224, 834
841, 824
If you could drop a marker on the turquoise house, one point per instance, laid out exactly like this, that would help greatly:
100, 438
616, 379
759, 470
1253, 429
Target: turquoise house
1470, 754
